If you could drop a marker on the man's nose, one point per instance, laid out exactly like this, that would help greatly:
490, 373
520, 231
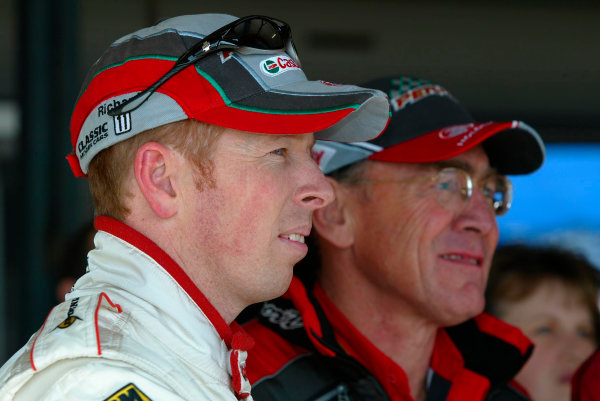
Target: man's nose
477, 214
315, 191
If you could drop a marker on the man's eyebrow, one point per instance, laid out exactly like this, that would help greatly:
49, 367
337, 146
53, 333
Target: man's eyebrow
462, 165
453, 163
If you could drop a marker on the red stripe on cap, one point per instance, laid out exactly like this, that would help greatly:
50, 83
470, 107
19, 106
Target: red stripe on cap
270, 123
75, 166
198, 98
132, 76
441, 144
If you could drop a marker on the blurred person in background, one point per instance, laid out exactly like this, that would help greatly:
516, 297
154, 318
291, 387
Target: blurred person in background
395, 308
551, 294
72, 260
195, 135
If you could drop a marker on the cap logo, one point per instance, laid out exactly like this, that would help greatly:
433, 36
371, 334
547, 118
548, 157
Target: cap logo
225, 56
122, 123
278, 65
465, 131
400, 100
322, 154
90, 139
454, 131
317, 155
108, 106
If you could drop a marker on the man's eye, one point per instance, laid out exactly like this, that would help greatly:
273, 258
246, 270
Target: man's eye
490, 190
449, 185
279, 152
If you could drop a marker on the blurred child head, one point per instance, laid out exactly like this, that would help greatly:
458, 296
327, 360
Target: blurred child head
552, 296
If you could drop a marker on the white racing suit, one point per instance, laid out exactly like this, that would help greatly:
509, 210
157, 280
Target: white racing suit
134, 328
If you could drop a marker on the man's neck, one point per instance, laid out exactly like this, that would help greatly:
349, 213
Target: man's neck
388, 323
204, 276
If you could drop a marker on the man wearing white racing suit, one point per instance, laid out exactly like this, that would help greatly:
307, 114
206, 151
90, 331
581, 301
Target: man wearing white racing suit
195, 135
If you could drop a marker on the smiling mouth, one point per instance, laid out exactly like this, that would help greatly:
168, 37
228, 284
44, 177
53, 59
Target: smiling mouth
461, 258
294, 237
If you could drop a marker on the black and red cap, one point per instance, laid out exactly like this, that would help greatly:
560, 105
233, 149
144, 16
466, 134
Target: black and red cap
428, 125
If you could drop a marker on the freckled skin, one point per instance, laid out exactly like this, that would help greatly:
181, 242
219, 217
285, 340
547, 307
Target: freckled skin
266, 186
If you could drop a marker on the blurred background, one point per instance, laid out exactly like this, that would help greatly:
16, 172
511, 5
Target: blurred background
537, 61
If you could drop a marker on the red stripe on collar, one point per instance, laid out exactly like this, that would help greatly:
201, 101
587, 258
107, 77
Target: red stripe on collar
144, 244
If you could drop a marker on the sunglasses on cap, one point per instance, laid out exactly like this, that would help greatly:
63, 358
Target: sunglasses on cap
258, 32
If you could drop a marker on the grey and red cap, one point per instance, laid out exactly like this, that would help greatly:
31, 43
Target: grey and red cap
428, 125
244, 90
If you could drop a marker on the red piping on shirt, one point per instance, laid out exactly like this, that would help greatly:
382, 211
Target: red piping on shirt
116, 306
297, 291
36, 337
144, 244
514, 335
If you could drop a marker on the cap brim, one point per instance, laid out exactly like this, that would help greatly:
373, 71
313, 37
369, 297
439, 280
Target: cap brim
333, 112
348, 116
513, 147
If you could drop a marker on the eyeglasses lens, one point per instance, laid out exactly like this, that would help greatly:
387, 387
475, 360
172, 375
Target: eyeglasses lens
453, 188
498, 189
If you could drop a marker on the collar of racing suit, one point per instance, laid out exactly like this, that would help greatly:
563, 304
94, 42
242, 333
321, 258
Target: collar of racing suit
164, 294
485, 345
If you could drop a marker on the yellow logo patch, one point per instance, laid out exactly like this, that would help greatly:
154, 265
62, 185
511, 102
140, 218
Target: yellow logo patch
67, 322
129, 393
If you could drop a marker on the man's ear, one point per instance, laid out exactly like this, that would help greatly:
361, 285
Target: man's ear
333, 222
154, 168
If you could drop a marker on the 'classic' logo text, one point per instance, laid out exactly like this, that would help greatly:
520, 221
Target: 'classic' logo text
93, 137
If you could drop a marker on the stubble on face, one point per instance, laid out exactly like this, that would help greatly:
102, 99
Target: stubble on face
243, 224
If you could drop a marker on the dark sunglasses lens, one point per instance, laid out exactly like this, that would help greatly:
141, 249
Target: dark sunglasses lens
258, 33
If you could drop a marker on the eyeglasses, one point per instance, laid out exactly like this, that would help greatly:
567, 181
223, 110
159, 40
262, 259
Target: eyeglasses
261, 33
454, 187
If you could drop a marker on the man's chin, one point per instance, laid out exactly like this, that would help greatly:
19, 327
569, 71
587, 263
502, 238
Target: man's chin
460, 313
278, 285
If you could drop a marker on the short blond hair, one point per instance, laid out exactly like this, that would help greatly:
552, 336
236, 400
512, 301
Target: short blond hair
110, 168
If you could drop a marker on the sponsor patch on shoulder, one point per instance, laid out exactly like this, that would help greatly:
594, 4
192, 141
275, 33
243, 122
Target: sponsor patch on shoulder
71, 318
128, 393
